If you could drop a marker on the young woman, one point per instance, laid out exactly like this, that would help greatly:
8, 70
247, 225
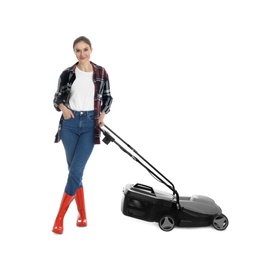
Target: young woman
83, 96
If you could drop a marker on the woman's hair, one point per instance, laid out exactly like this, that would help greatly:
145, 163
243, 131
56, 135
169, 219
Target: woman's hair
82, 39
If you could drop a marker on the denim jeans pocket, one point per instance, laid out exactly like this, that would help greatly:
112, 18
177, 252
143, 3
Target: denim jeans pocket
90, 117
67, 119
68, 122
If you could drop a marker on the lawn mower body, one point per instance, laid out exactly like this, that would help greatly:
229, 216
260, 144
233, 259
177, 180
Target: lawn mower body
145, 203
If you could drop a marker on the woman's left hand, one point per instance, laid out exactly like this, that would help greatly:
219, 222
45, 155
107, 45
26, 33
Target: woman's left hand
101, 119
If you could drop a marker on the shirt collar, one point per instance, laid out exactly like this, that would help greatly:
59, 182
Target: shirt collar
73, 67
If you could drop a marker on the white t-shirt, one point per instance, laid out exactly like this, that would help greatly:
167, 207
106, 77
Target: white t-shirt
82, 91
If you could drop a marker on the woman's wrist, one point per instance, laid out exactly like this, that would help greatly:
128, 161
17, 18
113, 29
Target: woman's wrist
61, 106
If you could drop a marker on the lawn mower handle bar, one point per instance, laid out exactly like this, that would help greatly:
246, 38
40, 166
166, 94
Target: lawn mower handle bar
108, 138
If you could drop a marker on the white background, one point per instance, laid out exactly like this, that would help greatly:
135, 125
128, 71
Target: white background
191, 88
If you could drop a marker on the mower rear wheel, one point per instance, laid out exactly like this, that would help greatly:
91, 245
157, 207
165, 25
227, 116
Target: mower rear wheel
220, 222
167, 223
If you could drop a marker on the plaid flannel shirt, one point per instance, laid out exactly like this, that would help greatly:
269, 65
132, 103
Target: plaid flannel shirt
102, 95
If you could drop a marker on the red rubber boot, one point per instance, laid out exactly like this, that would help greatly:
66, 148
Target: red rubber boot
80, 201
65, 203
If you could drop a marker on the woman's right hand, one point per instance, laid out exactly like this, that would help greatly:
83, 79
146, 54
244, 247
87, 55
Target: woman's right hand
67, 113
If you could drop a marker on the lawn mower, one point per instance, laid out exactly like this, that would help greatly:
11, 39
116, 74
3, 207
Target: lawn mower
167, 209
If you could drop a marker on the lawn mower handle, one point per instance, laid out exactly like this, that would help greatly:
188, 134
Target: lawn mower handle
108, 138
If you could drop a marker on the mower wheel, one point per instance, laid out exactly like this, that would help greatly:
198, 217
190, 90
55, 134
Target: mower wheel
220, 222
166, 222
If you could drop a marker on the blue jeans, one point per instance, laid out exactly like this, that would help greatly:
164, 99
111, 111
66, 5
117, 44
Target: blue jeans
77, 136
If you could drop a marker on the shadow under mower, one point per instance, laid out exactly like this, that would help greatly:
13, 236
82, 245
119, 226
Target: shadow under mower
168, 209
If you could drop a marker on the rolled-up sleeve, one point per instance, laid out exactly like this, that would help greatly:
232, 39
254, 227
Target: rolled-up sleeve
107, 98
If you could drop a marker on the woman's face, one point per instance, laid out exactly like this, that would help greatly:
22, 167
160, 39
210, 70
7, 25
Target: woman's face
82, 51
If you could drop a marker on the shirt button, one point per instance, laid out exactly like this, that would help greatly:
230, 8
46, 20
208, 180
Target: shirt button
81, 113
